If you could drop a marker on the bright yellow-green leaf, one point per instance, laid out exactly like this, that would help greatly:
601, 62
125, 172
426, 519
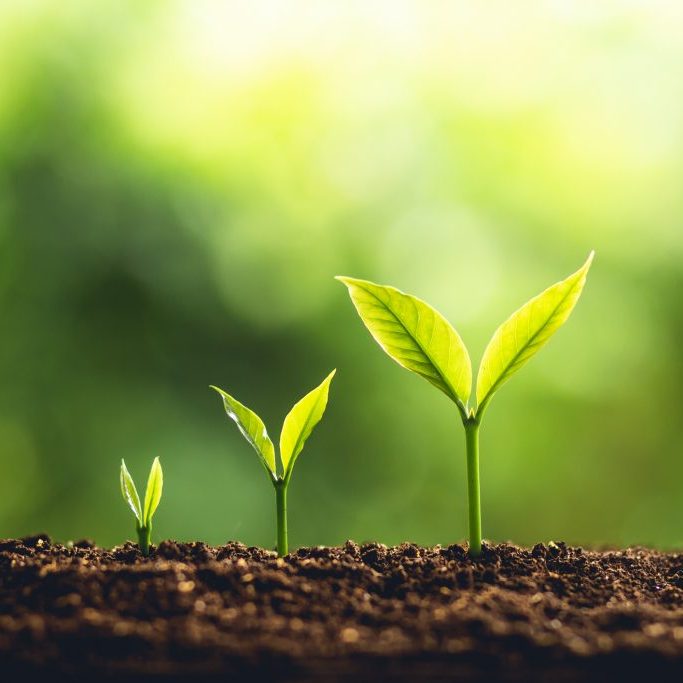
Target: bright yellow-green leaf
526, 331
415, 335
129, 492
252, 429
300, 421
155, 485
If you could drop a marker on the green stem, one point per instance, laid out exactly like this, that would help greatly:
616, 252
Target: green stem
473, 494
144, 538
281, 505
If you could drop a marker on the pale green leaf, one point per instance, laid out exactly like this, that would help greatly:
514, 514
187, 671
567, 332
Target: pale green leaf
415, 335
129, 492
300, 421
252, 429
526, 331
155, 485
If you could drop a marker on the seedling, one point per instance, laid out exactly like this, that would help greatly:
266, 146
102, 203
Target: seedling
143, 516
420, 339
296, 429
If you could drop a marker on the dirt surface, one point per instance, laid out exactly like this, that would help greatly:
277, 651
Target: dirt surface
194, 612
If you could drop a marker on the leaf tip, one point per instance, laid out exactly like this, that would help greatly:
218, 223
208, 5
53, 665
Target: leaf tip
219, 391
353, 281
582, 272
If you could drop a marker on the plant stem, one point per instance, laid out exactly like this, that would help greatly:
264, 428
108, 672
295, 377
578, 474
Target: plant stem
281, 504
473, 493
144, 538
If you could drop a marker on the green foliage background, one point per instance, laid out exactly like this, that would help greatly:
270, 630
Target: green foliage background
179, 183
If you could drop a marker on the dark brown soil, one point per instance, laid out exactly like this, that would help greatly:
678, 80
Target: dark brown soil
361, 613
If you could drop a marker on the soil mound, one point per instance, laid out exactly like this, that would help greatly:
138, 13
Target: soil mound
357, 612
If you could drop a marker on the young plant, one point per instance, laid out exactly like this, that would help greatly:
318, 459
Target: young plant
296, 429
143, 516
420, 339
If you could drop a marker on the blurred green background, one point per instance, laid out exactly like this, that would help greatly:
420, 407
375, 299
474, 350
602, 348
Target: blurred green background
179, 183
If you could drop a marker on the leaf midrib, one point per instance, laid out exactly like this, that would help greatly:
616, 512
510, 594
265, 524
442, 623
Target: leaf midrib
294, 454
454, 394
501, 377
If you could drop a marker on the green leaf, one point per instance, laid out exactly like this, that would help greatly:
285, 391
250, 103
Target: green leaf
300, 421
155, 484
252, 429
526, 331
415, 335
129, 492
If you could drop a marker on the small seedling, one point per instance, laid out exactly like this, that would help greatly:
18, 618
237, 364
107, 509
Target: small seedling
297, 427
143, 516
420, 339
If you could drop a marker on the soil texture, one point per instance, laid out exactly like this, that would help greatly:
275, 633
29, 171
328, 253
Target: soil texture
358, 612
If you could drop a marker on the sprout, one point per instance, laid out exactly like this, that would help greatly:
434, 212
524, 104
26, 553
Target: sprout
143, 516
420, 339
297, 427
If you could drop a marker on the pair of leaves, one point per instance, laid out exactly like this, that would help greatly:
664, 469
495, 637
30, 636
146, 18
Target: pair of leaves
296, 429
420, 339
155, 484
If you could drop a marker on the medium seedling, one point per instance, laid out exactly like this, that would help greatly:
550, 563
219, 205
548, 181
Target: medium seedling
420, 339
296, 429
143, 516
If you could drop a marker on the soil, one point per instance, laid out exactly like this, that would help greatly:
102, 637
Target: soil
363, 613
